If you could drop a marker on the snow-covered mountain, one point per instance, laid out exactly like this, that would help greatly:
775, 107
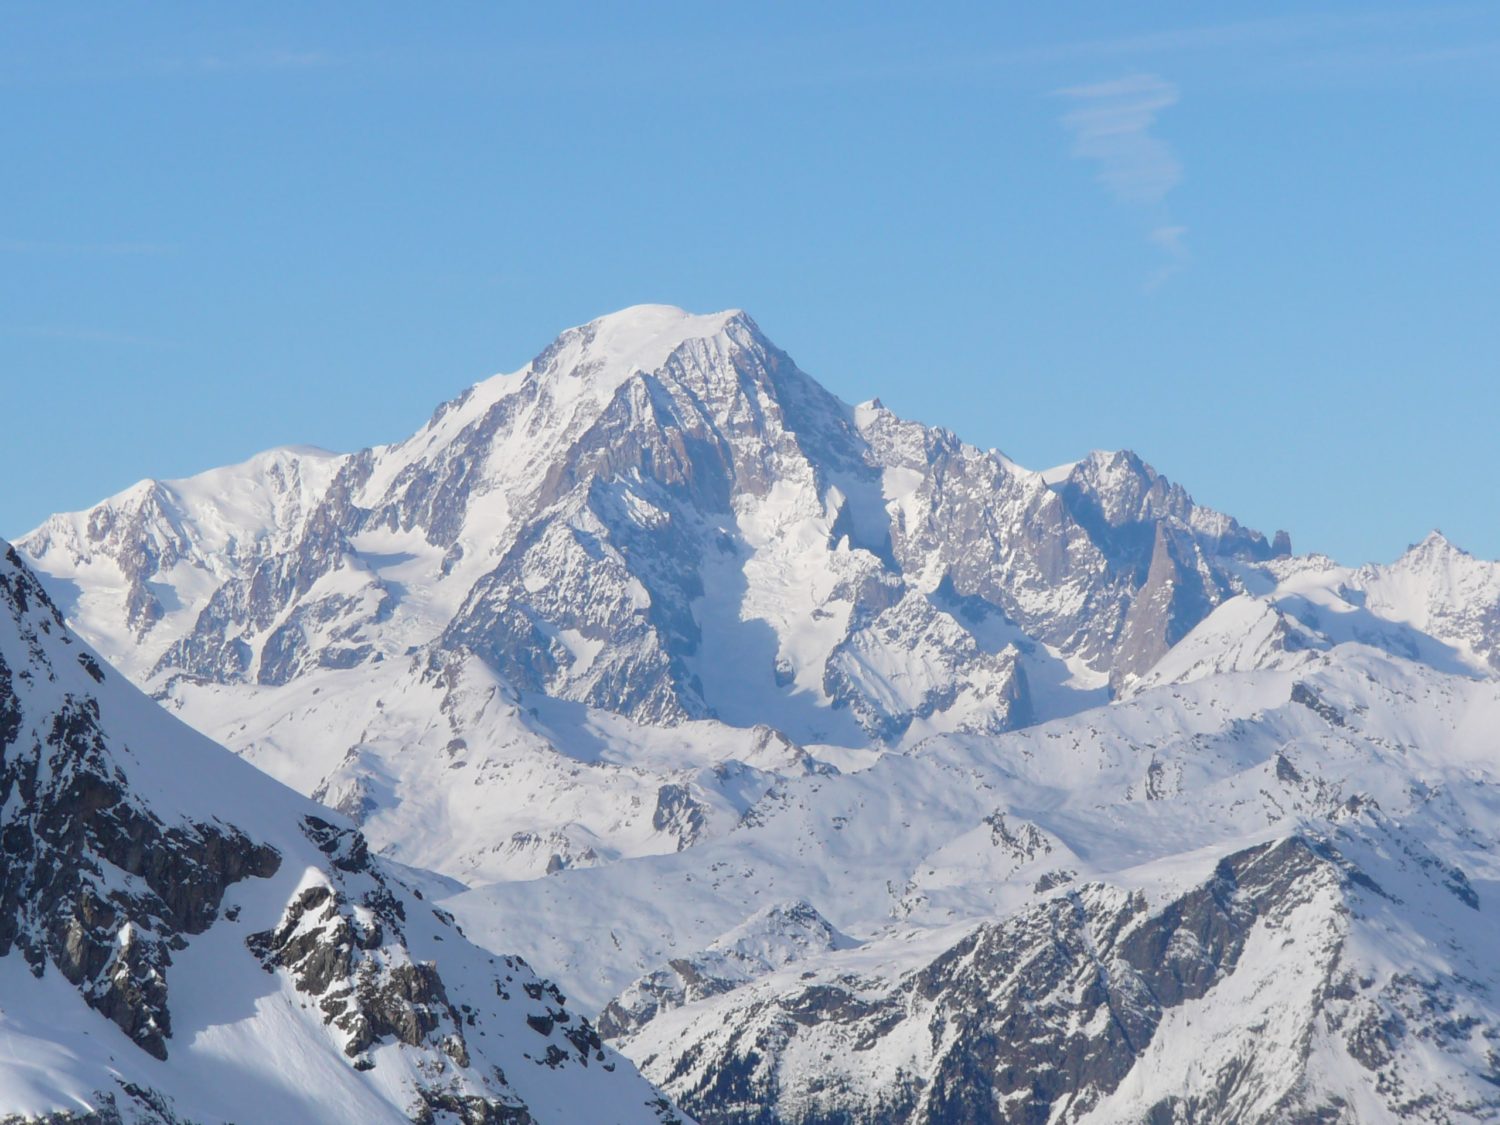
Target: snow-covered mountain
183, 939
854, 774
659, 521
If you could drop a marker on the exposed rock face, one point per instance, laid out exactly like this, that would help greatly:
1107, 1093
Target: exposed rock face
679, 813
1044, 1016
335, 949
71, 828
131, 851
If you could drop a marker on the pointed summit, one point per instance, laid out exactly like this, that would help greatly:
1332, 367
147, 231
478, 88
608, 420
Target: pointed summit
1434, 543
641, 328
638, 338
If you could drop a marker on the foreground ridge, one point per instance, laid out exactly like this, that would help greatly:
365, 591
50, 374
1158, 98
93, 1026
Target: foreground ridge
182, 938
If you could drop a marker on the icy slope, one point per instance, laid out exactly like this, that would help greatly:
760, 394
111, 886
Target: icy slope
183, 938
445, 766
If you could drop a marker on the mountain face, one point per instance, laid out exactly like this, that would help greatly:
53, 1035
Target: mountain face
1073, 1007
1081, 1008
852, 774
660, 518
770, 939
181, 938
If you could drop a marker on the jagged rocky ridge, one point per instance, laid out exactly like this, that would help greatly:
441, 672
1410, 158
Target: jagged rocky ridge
71, 828
182, 938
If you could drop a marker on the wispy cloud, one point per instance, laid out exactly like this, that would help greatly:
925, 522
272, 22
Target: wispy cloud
1111, 124
1170, 240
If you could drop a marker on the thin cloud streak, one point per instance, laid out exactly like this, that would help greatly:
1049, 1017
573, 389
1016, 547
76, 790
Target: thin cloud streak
1112, 128
1291, 38
1273, 31
1111, 124
1170, 240
799, 62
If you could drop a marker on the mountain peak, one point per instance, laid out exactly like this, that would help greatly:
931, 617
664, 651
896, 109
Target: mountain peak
656, 318
1435, 547
586, 364
640, 337
1435, 540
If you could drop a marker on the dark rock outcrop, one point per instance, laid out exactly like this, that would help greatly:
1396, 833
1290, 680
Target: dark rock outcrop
92, 881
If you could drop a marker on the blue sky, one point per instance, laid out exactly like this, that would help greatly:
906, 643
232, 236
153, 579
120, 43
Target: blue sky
1256, 243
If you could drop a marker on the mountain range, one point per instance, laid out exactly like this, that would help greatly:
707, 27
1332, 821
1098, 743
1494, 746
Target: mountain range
842, 771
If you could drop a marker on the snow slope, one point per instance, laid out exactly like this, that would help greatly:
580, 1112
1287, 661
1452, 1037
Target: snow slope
1370, 779
184, 938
